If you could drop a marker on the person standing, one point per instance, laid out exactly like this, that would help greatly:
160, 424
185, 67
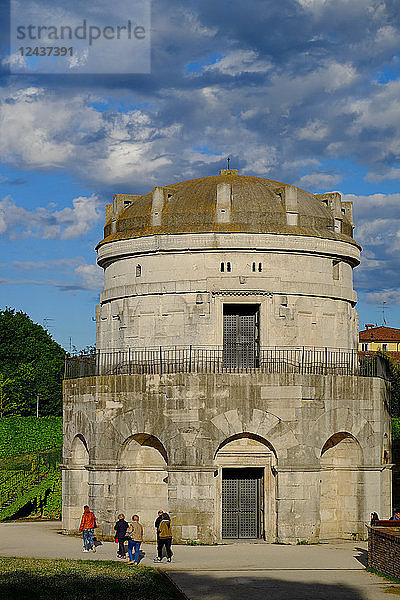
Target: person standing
396, 515
120, 532
135, 530
158, 521
164, 538
87, 527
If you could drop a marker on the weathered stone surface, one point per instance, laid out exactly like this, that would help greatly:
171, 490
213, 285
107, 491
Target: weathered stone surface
325, 466
175, 260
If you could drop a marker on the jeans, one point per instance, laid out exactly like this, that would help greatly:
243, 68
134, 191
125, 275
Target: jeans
87, 535
161, 543
136, 545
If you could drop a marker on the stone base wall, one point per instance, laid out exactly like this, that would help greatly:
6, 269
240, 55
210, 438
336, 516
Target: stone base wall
140, 443
384, 551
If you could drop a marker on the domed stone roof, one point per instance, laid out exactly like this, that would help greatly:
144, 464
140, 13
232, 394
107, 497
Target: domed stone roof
225, 203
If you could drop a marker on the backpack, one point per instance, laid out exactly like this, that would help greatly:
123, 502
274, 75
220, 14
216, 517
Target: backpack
165, 529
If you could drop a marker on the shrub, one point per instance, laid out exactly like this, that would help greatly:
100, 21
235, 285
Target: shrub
19, 435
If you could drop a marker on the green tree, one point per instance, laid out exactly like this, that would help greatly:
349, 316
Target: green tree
32, 362
6, 405
394, 370
393, 367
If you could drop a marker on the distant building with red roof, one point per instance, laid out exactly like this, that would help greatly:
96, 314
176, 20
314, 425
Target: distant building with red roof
383, 338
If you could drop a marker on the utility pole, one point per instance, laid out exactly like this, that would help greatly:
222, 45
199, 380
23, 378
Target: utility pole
46, 322
383, 313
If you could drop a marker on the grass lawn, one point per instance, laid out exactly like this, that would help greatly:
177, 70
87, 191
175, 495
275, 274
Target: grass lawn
39, 579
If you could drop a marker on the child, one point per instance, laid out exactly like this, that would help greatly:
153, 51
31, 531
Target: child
120, 536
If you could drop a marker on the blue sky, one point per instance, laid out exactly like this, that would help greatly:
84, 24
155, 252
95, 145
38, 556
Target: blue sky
302, 91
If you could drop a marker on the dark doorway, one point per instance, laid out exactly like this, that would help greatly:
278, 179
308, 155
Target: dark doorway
241, 503
241, 337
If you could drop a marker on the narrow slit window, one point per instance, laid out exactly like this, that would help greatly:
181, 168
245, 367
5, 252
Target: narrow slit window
259, 267
336, 269
228, 267
222, 267
253, 267
138, 270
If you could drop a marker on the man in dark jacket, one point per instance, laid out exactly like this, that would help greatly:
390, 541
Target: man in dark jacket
120, 534
158, 521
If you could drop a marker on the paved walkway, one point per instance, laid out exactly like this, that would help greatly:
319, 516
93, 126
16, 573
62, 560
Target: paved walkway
228, 572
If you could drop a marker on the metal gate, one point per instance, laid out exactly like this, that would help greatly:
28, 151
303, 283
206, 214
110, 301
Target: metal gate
241, 503
241, 336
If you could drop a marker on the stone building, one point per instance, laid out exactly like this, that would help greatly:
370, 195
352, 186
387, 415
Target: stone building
226, 386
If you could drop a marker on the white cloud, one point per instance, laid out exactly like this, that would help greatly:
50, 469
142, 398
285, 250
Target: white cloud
92, 276
67, 223
88, 277
314, 131
59, 263
314, 6
302, 162
390, 296
375, 232
14, 61
41, 130
318, 180
238, 62
367, 207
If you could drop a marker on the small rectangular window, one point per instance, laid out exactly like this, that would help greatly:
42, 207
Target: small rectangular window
384, 347
222, 267
138, 270
253, 267
336, 269
228, 267
259, 267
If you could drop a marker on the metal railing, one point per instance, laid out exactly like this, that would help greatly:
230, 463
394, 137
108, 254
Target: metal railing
196, 359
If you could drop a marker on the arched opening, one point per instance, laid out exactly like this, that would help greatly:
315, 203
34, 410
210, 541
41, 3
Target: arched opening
143, 480
245, 479
75, 483
79, 451
342, 489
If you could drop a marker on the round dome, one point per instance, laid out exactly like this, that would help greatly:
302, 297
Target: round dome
225, 203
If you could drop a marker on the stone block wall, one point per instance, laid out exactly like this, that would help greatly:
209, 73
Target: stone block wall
150, 442
384, 550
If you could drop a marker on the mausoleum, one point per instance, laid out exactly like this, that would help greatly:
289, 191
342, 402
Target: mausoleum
226, 386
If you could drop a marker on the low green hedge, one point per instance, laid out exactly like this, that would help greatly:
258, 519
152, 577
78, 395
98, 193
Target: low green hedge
19, 435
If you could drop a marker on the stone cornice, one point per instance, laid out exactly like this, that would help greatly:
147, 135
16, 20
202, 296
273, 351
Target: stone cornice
214, 242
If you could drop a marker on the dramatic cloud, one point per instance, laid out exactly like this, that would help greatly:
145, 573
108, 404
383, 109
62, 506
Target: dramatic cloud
222, 83
301, 91
378, 276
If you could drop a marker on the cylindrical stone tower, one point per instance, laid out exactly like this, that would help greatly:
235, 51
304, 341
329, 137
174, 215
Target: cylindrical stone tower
226, 387
174, 257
